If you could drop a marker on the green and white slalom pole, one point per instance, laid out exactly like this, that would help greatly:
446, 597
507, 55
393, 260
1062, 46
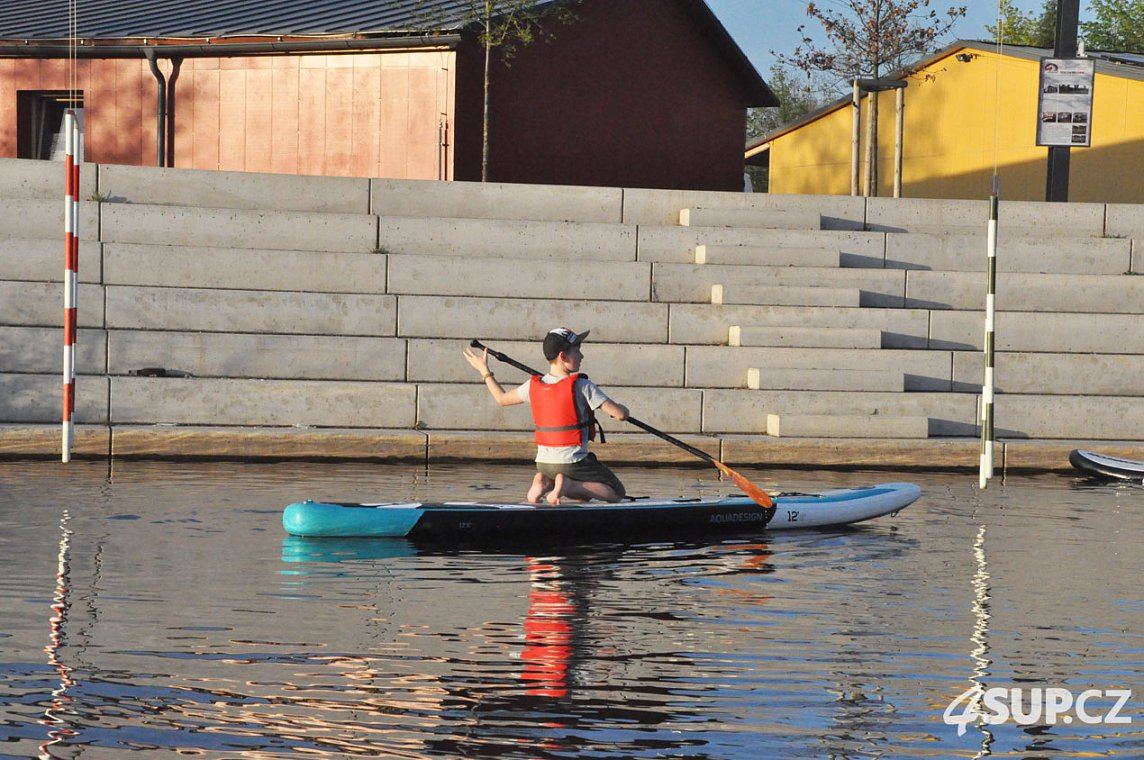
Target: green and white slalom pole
990, 321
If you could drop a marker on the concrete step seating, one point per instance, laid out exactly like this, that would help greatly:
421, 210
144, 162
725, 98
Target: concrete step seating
303, 313
676, 245
42, 259
36, 349
410, 198
937, 329
1044, 332
847, 426
1077, 293
803, 337
459, 317
344, 303
706, 324
1078, 374
1048, 221
916, 371
130, 400
597, 241
383, 197
691, 283
791, 379
752, 255
587, 242
593, 241
188, 404
270, 269
765, 218
1017, 251
323, 357
517, 278
177, 266
786, 295
237, 228
949, 414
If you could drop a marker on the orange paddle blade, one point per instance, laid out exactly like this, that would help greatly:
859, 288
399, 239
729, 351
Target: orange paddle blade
758, 495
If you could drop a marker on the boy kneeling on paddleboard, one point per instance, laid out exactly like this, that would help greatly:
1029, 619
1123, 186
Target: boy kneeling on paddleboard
563, 402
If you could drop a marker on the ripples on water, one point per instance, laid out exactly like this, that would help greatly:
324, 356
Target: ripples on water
163, 613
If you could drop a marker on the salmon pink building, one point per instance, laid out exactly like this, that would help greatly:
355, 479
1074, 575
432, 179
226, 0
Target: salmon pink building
640, 93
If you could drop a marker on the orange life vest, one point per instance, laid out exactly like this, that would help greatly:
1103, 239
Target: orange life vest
554, 412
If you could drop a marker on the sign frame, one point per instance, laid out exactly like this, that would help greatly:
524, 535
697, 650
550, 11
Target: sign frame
1064, 102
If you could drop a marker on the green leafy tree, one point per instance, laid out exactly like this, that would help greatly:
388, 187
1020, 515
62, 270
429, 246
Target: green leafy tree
504, 25
867, 38
1017, 28
1116, 25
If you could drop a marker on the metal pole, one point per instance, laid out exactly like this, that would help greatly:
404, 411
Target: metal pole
73, 158
1057, 174
869, 187
986, 470
855, 138
900, 107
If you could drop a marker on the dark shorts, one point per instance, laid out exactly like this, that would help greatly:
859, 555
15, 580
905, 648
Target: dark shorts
587, 470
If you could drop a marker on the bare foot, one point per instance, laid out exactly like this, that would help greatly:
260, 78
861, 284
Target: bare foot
541, 484
557, 490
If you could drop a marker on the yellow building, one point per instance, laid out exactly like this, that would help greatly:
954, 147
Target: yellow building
969, 108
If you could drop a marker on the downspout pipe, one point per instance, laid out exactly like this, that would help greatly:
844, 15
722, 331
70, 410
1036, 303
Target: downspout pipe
161, 108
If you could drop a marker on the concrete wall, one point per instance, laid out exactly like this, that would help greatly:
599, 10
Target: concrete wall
288, 310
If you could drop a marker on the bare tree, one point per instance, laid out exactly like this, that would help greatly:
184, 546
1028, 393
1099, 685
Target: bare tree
504, 24
867, 38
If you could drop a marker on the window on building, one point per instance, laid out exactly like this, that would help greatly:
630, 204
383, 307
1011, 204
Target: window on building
40, 122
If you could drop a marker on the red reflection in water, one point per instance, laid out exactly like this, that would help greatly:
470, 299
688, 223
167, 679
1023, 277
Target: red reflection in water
547, 632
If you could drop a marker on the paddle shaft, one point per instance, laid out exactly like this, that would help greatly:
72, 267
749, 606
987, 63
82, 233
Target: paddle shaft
753, 491
672, 439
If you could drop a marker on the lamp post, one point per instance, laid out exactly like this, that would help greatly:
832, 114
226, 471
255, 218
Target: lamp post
1057, 175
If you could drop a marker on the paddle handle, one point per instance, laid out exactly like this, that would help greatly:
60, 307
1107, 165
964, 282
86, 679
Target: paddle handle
504, 357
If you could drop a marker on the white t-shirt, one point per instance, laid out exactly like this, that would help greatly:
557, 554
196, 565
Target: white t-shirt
588, 397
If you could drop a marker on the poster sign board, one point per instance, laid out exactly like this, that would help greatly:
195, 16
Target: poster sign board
1064, 106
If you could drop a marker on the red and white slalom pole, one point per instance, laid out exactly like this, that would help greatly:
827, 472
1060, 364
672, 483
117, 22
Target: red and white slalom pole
990, 319
73, 148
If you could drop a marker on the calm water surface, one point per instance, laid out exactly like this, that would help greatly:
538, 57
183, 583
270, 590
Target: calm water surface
161, 612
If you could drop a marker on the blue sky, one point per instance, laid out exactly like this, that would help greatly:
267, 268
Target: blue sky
760, 26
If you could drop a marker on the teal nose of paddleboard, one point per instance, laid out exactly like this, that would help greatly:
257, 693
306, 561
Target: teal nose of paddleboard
312, 518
